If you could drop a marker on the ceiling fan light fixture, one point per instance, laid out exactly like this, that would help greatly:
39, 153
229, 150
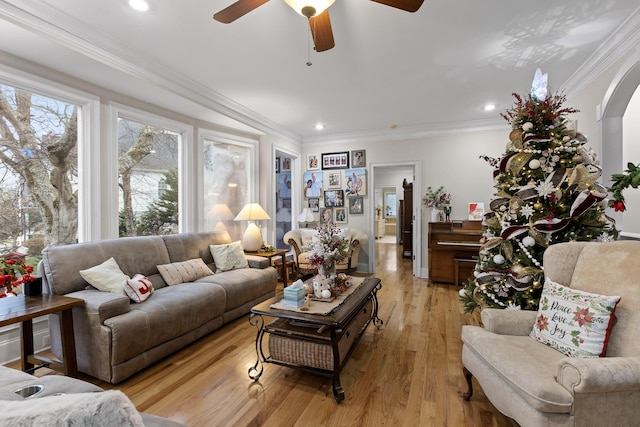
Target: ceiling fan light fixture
309, 8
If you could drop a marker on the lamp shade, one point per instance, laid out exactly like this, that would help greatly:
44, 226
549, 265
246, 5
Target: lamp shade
252, 212
306, 216
221, 212
318, 5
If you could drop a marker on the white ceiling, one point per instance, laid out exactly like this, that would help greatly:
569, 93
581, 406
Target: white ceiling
429, 71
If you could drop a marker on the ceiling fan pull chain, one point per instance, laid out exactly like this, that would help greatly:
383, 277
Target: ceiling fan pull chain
309, 64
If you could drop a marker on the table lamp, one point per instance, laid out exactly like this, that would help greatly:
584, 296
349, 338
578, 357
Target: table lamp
252, 239
222, 213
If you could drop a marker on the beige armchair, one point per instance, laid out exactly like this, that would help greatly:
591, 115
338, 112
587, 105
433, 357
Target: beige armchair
539, 386
300, 237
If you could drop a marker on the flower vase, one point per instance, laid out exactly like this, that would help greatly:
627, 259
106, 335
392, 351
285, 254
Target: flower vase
437, 215
328, 270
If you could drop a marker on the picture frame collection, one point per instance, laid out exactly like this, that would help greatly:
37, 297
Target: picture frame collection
335, 184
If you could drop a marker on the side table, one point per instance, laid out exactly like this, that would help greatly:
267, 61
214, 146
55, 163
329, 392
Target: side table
24, 309
272, 254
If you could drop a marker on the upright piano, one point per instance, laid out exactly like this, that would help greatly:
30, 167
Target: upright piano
453, 250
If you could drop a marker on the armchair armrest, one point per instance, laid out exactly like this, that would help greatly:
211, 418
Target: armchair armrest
599, 375
508, 322
102, 305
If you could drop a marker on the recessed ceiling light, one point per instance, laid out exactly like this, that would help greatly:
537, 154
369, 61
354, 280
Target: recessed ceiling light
319, 126
140, 5
489, 107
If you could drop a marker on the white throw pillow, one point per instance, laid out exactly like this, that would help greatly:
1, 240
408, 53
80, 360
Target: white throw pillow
139, 288
106, 277
184, 272
228, 257
307, 235
574, 322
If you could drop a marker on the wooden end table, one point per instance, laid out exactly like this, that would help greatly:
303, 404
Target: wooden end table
272, 254
317, 343
24, 309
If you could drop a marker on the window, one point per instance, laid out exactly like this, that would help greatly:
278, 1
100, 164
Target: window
147, 179
228, 182
390, 204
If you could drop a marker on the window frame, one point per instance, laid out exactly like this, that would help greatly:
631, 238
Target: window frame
89, 208
186, 181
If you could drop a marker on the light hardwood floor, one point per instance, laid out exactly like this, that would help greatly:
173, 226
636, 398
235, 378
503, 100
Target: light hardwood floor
408, 373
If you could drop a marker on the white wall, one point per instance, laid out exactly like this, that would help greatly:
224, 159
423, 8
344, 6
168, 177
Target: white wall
631, 154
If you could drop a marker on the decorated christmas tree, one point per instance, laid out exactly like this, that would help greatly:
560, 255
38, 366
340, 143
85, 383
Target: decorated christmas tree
547, 192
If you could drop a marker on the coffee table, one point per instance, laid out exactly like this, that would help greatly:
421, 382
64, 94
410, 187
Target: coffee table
317, 343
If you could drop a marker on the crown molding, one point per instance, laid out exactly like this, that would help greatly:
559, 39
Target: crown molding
623, 40
54, 25
405, 133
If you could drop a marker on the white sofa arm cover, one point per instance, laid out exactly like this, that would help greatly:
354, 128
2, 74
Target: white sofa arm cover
508, 322
103, 304
598, 375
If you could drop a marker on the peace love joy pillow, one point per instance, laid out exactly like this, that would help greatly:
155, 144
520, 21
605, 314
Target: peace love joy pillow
574, 322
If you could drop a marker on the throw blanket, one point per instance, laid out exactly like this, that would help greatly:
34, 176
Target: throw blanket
109, 408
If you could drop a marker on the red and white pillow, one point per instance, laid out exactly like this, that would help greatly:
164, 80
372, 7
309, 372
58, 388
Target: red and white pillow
138, 288
574, 322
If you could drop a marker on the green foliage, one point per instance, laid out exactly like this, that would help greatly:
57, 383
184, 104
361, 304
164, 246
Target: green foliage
622, 181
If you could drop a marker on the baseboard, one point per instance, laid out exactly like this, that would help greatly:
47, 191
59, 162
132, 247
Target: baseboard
10, 339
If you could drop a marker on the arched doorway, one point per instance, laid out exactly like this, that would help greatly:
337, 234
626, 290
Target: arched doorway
611, 114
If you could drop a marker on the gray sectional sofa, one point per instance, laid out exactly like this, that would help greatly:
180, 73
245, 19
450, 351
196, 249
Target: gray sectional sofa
116, 337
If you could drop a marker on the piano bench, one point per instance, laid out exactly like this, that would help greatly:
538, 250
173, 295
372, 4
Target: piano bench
457, 262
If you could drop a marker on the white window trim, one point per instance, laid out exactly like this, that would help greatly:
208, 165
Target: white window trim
89, 208
187, 196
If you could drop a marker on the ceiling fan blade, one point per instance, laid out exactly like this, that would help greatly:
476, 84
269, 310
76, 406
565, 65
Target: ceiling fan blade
321, 30
237, 10
408, 5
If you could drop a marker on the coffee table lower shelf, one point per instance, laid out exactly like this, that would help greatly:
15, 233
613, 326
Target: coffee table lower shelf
311, 346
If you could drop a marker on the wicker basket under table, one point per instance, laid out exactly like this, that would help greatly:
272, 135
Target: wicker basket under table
294, 343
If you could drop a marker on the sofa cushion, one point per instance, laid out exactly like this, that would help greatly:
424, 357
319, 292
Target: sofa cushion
524, 364
184, 272
574, 322
138, 288
106, 277
173, 311
244, 285
229, 256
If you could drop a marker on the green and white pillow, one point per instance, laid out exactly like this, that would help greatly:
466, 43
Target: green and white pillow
228, 257
574, 322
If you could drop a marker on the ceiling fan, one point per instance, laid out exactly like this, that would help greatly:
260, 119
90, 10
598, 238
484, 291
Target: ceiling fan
317, 11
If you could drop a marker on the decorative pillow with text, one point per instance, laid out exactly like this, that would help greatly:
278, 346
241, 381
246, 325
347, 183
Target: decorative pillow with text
139, 288
228, 257
574, 322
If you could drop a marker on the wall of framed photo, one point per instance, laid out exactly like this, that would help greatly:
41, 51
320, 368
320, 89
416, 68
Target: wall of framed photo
335, 187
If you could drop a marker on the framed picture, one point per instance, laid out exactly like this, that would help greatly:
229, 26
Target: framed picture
313, 162
333, 180
312, 184
356, 182
334, 198
285, 164
358, 158
335, 160
476, 211
314, 204
356, 205
277, 165
340, 215
326, 215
